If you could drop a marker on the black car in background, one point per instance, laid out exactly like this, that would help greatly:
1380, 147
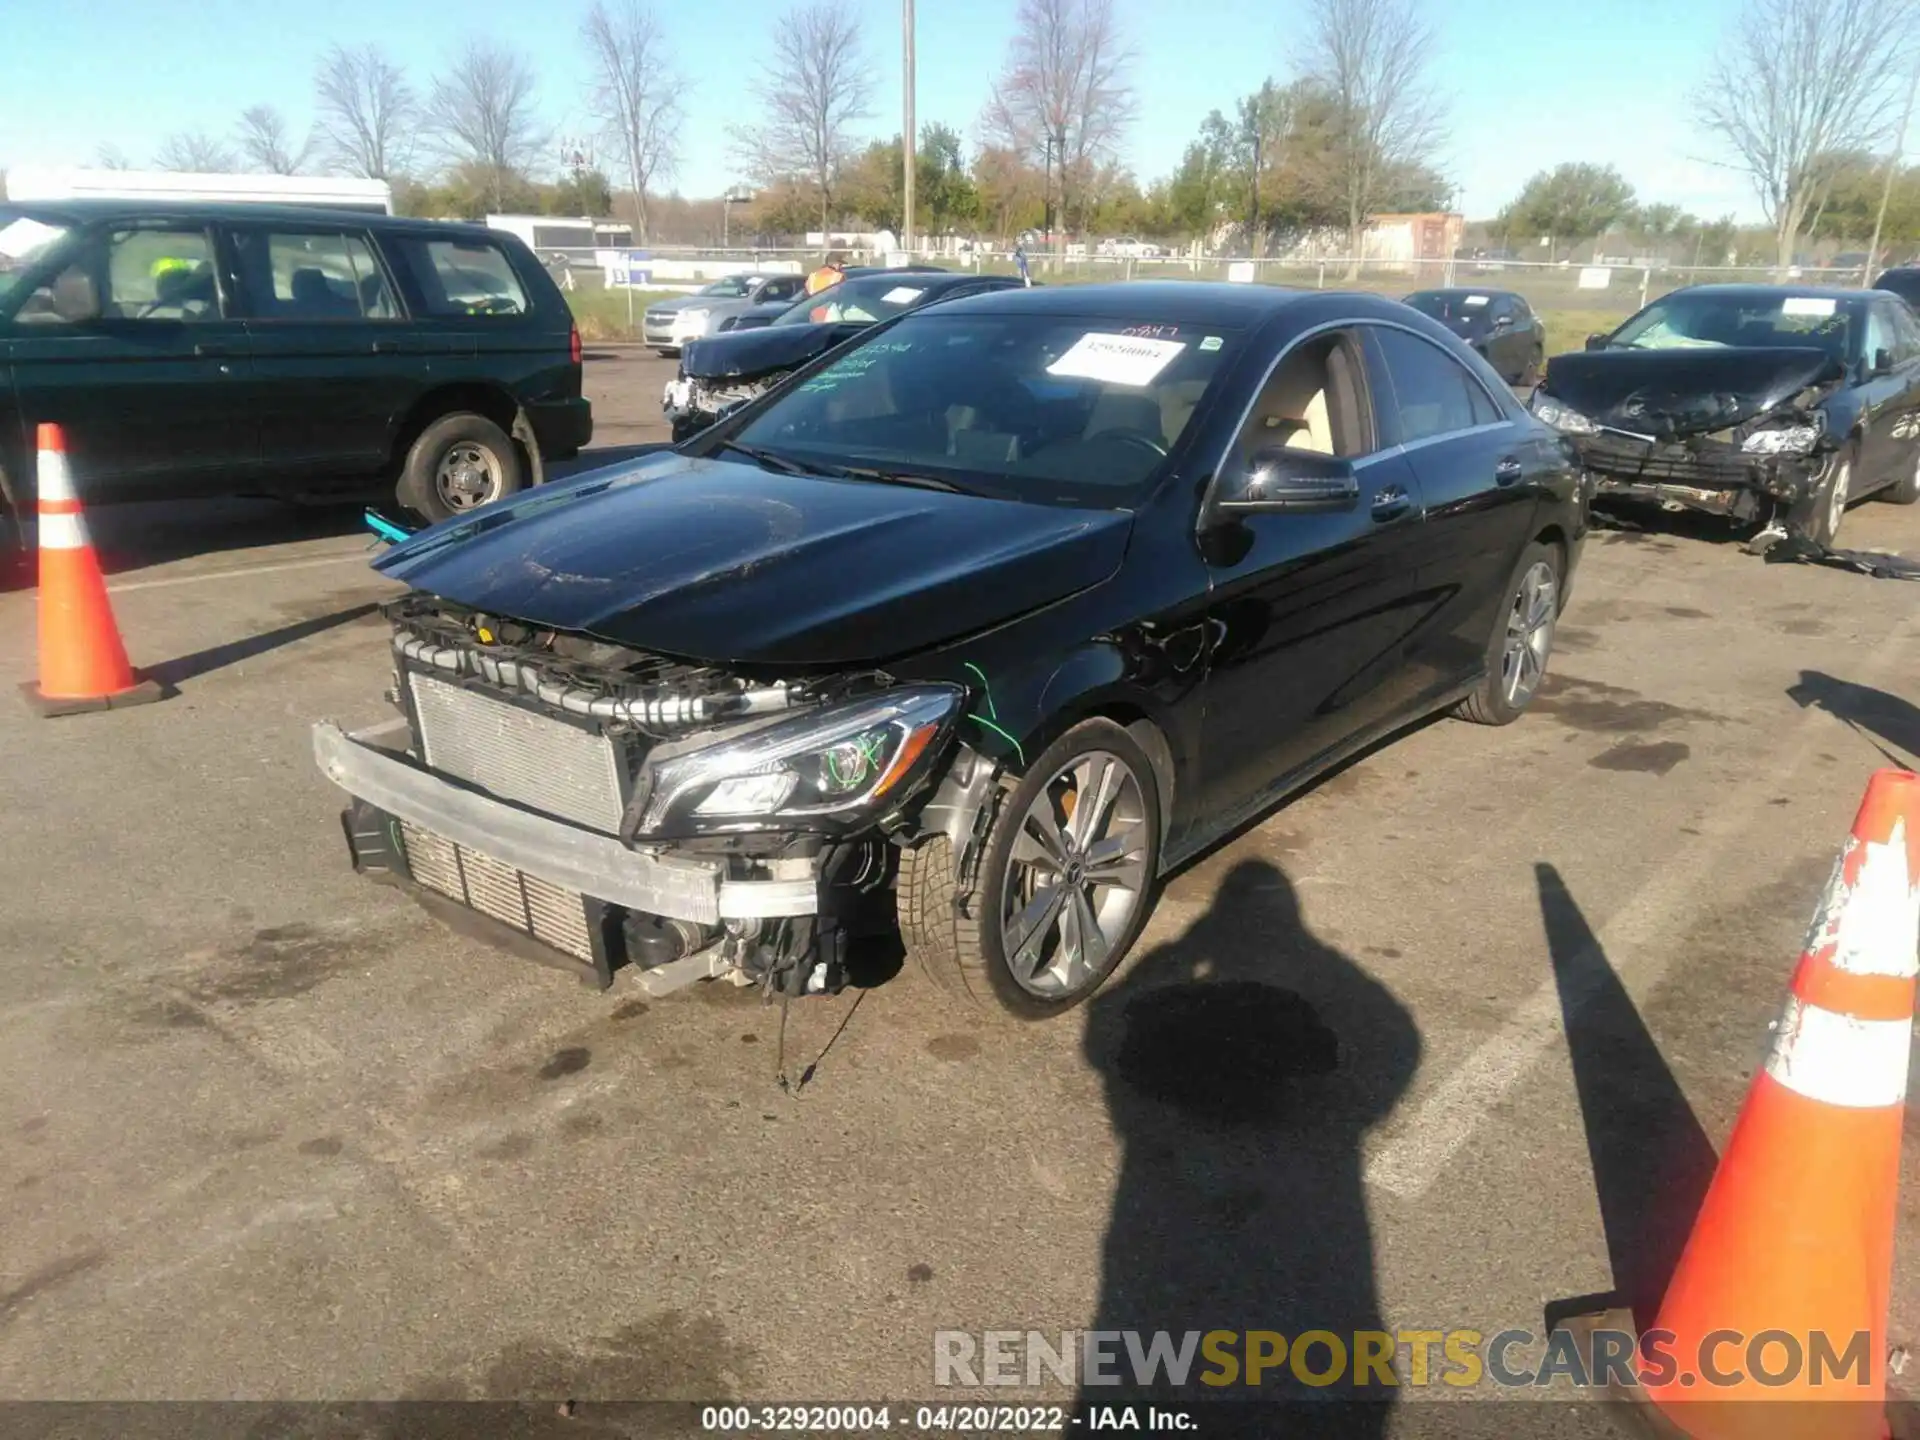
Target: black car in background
1770, 405
1497, 323
766, 312
719, 374
1011, 604
194, 349
1901, 280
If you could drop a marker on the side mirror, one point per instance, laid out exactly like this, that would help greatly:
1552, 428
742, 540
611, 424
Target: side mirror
1502, 322
1290, 480
1596, 342
1882, 362
76, 300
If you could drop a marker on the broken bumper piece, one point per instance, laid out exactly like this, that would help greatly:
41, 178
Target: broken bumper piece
1698, 474
542, 860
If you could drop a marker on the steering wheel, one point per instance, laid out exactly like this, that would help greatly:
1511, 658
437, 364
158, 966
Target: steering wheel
1141, 439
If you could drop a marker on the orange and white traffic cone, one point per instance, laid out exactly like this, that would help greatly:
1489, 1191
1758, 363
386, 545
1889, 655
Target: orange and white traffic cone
83, 664
1791, 1257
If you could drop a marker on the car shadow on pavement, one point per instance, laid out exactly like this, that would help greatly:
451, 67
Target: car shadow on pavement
135, 536
1652, 1161
1243, 1063
1867, 710
172, 673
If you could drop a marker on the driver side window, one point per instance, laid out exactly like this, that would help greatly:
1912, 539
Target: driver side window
1314, 401
138, 274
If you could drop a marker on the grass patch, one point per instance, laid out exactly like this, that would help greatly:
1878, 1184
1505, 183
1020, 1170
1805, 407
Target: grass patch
603, 314
1568, 329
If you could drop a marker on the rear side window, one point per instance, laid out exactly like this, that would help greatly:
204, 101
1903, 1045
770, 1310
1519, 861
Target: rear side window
1433, 393
313, 275
462, 277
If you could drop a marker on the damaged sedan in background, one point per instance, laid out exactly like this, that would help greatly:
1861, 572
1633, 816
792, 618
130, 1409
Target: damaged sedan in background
721, 373
1775, 408
975, 628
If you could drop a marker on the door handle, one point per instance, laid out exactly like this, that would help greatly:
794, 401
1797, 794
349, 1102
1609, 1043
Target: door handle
1507, 471
1392, 502
215, 347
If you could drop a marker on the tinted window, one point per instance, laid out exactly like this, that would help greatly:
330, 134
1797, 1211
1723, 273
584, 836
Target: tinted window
312, 275
733, 287
140, 274
1047, 407
877, 298
462, 277
1432, 392
1697, 319
1906, 332
1882, 333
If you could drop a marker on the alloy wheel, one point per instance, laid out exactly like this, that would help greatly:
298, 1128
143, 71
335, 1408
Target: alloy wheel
468, 476
1076, 876
1837, 501
1529, 634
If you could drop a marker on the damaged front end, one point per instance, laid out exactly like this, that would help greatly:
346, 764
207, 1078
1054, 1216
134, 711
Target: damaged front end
1738, 434
723, 372
691, 404
597, 806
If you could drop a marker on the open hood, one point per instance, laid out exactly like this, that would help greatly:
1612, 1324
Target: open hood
728, 563
766, 350
1669, 393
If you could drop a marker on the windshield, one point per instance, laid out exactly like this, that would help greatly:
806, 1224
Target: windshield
24, 241
1705, 321
1450, 305
1033, 407
880, 298
734, 287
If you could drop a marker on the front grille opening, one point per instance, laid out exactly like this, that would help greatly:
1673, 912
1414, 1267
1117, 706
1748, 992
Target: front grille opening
536, 908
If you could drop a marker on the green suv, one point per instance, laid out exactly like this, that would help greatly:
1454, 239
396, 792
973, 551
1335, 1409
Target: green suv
249, 349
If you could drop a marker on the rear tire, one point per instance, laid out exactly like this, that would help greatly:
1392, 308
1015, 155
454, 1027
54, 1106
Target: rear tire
962, 940
1906, 489
459, 463
1522, 640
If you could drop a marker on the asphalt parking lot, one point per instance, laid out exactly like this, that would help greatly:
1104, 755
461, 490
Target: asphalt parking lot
1451, 1036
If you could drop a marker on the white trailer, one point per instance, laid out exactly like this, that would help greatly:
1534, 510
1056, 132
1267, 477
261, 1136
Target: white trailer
328, 192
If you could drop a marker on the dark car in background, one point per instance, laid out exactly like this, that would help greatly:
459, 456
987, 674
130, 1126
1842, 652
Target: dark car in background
1007, 607
1901, 280
667, 325
753, 317
192, 349
1499, 324
1770, 405
722, 373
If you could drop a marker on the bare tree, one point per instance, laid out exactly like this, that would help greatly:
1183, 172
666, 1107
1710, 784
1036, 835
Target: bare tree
265, 143
194, 150
1797, 80
366, 110
814, 87
636, 94
482, 115
112, 157
1064, 98
1372, 57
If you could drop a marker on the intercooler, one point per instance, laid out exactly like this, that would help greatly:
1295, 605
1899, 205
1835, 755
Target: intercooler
529, 904
566, 771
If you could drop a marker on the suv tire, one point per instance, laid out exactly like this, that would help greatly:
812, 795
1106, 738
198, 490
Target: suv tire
961, 939
1522, 640
459, 463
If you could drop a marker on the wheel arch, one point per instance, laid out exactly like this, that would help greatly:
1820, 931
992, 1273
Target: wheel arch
491, 401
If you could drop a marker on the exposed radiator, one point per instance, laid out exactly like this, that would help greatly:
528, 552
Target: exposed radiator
518, 754
529, 904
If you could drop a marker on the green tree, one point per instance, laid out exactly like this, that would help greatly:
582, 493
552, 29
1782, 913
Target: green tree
587, 193
1572, 203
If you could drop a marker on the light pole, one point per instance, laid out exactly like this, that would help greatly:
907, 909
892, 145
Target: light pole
906, 125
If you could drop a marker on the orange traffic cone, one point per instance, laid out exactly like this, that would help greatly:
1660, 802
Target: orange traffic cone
83, 665
1784, 1281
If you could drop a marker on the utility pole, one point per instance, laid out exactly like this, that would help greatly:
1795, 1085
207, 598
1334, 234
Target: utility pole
1886, 189
906, 125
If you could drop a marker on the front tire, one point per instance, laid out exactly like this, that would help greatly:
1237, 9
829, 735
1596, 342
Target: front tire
1065, 882
1522, 640
1818, 517
459, 463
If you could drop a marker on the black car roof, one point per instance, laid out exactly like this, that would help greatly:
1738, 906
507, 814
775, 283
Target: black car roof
1190, 302
1772, 292
1449, 290
86, 210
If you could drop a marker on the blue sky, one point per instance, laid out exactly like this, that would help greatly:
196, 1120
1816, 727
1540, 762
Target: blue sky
1600, 80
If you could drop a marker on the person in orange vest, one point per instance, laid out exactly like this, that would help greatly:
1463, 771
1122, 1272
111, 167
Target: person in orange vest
831, 273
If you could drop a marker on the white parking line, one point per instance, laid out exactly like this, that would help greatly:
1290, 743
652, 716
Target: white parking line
1641, 945
237, 573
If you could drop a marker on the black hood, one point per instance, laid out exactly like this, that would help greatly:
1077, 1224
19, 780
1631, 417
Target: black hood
1666, 393
738, 355
723, 562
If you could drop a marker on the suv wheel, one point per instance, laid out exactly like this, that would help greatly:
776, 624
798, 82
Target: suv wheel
1521, 642
1065, 883
460, 462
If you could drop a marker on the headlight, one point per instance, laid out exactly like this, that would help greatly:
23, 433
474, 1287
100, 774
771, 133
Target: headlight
831, 767
1786, 439
1561, 417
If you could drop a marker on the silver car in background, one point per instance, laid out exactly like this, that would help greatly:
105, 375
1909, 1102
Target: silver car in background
669, 324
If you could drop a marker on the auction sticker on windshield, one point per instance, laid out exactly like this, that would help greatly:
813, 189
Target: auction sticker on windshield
1116, 359
1806, 305
900, 295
